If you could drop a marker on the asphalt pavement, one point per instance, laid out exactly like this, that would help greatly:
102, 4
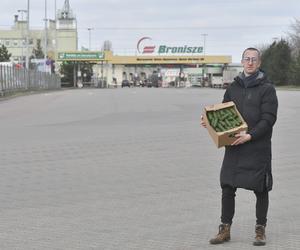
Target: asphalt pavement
131, 169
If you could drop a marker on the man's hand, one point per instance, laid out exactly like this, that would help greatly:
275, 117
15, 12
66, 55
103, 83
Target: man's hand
203, 124
242, 137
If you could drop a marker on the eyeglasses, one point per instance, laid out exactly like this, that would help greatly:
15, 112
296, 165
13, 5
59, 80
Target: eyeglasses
250, 59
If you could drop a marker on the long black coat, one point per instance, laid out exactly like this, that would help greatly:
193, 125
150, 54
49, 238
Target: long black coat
249, 165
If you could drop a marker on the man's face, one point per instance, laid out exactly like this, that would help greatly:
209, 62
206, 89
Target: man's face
250, 61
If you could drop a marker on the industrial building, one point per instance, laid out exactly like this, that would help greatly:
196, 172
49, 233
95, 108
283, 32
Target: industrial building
60, 35
174, 70
152, 70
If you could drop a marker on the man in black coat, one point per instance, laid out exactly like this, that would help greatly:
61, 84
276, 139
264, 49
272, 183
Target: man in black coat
247, 162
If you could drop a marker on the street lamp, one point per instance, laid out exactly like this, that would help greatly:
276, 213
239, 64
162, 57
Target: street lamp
275, 39
204, 41
204, 65
27, 36
22, 35
46, 36
90, 31
55, 28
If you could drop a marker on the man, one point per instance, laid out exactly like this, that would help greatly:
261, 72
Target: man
247, 162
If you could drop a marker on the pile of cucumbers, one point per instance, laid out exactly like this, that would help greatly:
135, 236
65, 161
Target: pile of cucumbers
224, 119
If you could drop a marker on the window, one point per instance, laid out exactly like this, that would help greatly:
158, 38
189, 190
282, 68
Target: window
15, 43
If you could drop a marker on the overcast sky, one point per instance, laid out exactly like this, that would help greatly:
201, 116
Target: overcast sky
230, 25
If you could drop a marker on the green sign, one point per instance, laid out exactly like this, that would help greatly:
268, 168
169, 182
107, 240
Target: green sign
81, 56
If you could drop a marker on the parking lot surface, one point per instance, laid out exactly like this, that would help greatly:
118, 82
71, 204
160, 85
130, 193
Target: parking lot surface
131, 169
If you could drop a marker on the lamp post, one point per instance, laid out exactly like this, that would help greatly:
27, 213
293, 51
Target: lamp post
90, 31
275, 39
204, 65
27, 36
204, 42
22, 35
46, 36
55, 18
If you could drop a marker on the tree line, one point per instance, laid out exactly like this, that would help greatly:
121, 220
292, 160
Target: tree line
282, 63
281, 59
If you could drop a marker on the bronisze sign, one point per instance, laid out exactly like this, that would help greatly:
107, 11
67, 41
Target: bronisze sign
182, 50
144, 47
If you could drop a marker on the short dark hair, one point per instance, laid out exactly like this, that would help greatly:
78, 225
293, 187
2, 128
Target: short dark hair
253, 49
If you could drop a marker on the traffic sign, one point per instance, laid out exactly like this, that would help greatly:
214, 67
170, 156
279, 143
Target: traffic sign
81, 56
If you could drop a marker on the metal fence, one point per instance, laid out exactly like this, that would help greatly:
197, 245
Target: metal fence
18, 79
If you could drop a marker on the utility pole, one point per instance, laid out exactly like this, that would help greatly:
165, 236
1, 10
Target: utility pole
46, 37
90, 31
55, 18
22, 35
27, 36
204, 42
204, 65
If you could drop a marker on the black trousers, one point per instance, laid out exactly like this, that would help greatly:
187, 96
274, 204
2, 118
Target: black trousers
228, 205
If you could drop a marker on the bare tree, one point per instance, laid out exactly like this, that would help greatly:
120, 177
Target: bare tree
294, 37
262, 47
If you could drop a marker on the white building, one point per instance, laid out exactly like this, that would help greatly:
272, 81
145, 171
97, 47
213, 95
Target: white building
61, 35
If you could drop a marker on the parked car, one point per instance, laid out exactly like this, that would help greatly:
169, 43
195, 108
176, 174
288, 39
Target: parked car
125, 83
